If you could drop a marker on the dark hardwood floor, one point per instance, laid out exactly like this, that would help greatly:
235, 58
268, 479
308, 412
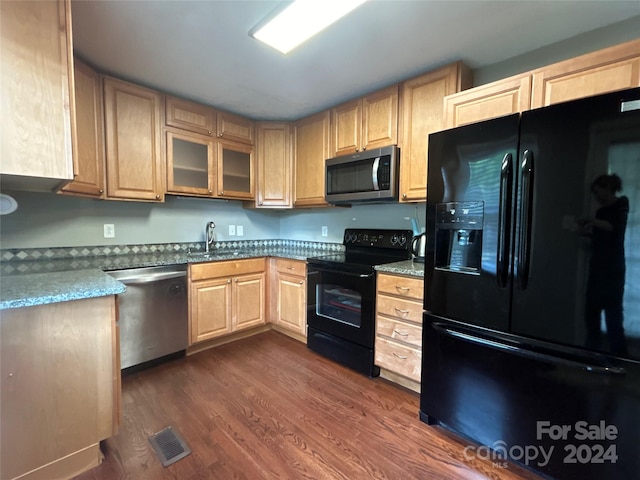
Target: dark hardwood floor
266, 407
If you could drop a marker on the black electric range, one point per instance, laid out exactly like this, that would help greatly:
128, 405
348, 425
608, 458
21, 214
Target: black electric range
341, 295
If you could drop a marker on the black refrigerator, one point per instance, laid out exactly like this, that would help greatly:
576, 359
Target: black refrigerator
531, 334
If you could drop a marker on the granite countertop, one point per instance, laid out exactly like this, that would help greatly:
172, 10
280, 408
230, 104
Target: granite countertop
405, 267
37, 282
43, 288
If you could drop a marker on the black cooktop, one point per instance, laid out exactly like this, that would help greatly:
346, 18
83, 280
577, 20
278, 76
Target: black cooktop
366, 248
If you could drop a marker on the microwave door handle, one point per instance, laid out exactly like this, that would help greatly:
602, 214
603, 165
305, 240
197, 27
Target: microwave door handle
374, 173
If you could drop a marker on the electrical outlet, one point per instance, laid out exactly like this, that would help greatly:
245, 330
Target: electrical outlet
325, 231
240, 230
232, 230
109, 230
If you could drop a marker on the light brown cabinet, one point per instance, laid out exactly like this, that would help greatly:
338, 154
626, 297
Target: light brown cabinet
90, 173
190, 163
398, 346
37, 94
190, 116
312, 144
275, 164
235, 170
134, 156
234, 128
225, 297
607, 70
365, 123
496, 99
60, 387
288, 296
422, 113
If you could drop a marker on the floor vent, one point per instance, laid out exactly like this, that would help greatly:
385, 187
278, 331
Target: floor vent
169, 446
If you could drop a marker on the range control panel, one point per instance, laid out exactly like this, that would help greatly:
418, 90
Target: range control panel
377, 238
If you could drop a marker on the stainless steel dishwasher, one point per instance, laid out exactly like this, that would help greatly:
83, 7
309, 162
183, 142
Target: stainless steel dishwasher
153, 313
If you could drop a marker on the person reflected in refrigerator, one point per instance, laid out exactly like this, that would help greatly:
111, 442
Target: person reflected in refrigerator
605, 283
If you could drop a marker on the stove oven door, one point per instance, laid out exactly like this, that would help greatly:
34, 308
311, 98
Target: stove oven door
342, 303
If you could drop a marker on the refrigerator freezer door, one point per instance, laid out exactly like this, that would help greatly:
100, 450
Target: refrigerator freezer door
575, 418
578, 282
471, 186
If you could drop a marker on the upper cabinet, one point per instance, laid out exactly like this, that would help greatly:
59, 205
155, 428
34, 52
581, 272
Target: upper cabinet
133, 141
608, 70
312, 144
234, 128
365, 123
275, 164
190, 116
190, 163
235, 171
36, 64
496, 99
422, 114
89, 178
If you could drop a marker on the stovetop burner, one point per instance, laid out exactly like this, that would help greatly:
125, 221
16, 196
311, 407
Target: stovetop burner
366, 248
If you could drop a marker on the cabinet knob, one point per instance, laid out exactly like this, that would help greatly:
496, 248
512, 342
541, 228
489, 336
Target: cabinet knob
357, 149
364, 148
219, 135
222, 192
259, 203
157, 197
228, 281
404, 195
236, 280
209, 132
301, 282
100, 191
210, 191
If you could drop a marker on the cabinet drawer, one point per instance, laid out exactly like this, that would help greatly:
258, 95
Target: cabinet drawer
399, 308
404, 286
401, 331
405, 361
202, 271
292, 267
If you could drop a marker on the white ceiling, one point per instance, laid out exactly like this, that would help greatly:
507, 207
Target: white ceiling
201, 49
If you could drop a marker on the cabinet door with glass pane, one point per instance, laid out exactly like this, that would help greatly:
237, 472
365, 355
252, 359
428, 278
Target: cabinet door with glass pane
190, 164
235, 171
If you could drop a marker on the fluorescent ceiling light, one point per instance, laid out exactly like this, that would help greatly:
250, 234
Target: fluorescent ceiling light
302, 20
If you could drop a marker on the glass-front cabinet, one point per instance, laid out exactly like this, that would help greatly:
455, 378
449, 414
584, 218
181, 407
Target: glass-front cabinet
190, 164
235, 170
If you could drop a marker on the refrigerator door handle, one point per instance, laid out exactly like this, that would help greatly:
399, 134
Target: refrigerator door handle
523, 352
526, 216
504, 220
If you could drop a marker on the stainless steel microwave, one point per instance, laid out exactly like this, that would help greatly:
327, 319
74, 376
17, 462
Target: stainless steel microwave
368, 176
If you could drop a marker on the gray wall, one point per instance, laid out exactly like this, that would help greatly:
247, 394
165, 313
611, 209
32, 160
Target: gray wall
579, 45
49, 220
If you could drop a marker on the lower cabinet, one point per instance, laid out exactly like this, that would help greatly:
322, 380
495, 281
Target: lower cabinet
288, 294
225, 297
398, 347
60, 387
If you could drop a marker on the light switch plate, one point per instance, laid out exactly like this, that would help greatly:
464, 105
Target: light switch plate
325, 231
240, 230
232, 230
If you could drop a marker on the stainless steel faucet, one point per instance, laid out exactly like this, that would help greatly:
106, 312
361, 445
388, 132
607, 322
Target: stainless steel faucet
209, 238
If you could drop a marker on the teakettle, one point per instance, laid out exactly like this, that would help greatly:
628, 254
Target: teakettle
418, 247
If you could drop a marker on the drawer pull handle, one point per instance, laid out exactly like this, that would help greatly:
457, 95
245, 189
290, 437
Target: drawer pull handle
402, 289
401, 357
400, 333
289, 268
400, 311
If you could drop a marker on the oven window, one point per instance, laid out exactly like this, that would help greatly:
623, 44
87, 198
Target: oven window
339, 304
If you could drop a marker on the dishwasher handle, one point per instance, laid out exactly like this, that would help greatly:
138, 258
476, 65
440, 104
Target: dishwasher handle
151, 277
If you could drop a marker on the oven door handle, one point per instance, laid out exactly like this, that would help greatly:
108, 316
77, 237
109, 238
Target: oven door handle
317, 270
